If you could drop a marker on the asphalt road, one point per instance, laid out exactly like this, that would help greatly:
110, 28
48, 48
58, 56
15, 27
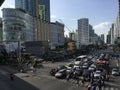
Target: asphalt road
41, 80
18, 84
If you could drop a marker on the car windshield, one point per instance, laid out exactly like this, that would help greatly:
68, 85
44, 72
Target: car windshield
78, 59
97, 72
115, 70
61, 71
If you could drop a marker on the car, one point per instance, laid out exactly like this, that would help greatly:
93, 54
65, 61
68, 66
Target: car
60, 67
70, 72
76, 66
97, 74
79, 59
92, 68
69, 65
85, 65
61, 73
79, 71
115, 72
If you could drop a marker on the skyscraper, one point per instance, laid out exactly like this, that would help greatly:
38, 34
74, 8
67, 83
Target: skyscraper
27, 5
103, 38
1, 1
38, 8
44, 9
83, 31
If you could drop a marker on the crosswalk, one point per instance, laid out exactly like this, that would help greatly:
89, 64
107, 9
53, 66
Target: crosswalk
74, 83
108, 88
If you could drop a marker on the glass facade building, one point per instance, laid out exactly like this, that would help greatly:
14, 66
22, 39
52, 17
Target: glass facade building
1, 2
83, 31
44, 9
17, 25
27, 5
33, 7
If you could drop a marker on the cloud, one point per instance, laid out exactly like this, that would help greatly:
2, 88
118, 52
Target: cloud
102, 28
74, 19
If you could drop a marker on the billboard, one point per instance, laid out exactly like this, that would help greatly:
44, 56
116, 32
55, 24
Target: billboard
1, 1
42, 12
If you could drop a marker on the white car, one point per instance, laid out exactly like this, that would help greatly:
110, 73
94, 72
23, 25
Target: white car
79, 59
85, 65
61, 73
115, 71
91, 68
97, 74
77, 62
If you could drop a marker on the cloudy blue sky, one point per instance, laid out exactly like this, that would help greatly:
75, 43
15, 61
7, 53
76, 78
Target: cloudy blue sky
101, 13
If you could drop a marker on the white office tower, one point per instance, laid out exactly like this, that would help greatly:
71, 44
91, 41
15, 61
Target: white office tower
83, 31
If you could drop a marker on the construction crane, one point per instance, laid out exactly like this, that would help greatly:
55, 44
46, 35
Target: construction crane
71, 43
65, 25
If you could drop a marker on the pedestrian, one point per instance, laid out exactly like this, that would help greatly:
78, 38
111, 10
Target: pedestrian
88, 87
91, 80
68, 76
93, 88
82, 81
77, 78
11, 76
100, 84
52, 60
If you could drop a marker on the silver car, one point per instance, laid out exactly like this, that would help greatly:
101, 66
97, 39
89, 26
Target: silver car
115, 72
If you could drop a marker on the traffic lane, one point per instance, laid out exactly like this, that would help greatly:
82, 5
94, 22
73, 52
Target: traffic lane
113, 83
45, 82
17, 84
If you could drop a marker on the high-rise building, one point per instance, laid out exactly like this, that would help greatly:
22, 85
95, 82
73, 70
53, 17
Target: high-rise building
57, 34
112, 33
91, 34
40, 9
17, 25
72, 36
44, 10
102, 38
37, 8
117, 27
1, 1
83, 31
27, 5
1, 31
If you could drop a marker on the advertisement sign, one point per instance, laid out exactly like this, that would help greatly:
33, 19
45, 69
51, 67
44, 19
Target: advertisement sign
42, 12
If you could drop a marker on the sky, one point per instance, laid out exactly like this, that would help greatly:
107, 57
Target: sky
101, 13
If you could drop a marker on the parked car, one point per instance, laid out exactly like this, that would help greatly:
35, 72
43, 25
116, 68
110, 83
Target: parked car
115, 72
61, 73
